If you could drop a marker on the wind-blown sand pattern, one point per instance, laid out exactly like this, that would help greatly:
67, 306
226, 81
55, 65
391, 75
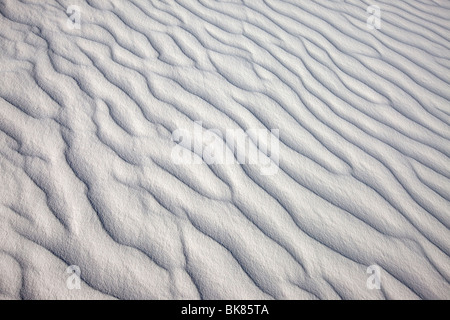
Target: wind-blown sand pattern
87, 179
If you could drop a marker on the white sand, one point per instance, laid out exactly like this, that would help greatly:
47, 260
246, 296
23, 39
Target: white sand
88, 178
